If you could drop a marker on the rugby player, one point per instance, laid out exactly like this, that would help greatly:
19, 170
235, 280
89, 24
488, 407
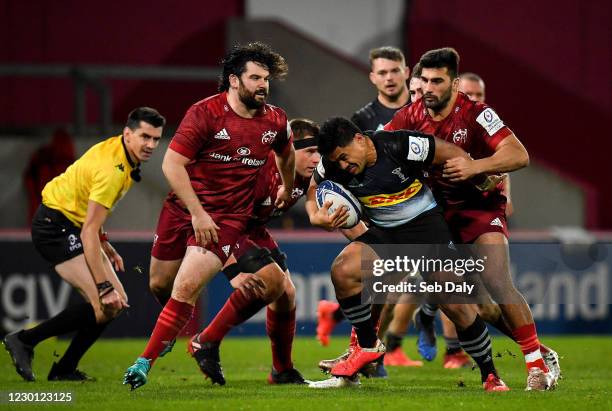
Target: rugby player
388, 74
212, 165
380, 164
280, 314
475, 216
67, 230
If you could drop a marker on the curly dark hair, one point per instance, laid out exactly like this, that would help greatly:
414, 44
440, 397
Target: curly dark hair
235, 62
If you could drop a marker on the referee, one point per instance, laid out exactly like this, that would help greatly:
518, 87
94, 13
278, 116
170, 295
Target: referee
67, 231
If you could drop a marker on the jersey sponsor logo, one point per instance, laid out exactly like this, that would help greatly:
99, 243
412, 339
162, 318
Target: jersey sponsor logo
496, 221
460, 136
222, 135
226, 250
268, 137
243, 151
418, 148
253, 162
490, 121
221, 157
383, 200
398, 172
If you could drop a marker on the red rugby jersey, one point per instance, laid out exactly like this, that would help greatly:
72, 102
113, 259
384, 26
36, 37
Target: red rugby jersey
473, 126
227, 151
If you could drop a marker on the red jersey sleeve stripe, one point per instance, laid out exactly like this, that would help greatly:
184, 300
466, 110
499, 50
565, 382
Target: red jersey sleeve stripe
498, 137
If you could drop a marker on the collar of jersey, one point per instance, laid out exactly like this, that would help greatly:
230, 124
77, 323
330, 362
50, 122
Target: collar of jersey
127, 154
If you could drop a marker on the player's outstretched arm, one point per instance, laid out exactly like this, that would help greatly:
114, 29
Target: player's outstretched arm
173, 166
445, 151
510, 155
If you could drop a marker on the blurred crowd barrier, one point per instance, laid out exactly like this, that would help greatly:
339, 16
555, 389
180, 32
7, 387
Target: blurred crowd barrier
567, 284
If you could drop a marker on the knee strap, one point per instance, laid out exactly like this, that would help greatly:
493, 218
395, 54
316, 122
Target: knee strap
280, 258
231, 271
254, 260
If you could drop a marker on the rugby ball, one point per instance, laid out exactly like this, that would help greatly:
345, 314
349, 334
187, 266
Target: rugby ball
339, 196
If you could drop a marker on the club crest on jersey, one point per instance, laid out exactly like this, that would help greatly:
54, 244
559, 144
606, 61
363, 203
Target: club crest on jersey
268, 137
460, 136
243, 151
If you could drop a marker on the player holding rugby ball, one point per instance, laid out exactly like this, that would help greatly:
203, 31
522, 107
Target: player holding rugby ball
384, 171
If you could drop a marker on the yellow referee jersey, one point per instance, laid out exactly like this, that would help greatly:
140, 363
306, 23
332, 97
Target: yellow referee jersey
102, 175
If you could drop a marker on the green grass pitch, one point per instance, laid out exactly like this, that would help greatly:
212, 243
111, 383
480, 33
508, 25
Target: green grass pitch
176, 384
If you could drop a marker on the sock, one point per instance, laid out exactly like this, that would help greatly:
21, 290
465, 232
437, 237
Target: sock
453, 346
544, 349
476, 341
170, 322
338, 315
237, 309
280, 327
527, 337
427, 313
81, 342
501, 325
360, 316
393, 341
71, 319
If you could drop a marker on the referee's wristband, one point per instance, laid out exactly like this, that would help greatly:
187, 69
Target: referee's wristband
104, 288
103, 236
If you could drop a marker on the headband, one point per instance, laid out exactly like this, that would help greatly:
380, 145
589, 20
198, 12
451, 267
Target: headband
305, 142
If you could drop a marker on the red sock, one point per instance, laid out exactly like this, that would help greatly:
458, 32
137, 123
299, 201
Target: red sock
527, 337
236, 310
169, 324
281, 329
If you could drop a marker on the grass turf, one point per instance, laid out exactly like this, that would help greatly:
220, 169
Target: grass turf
176, 384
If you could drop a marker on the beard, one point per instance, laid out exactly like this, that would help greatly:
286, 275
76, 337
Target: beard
438, 104
249, 99
395, 96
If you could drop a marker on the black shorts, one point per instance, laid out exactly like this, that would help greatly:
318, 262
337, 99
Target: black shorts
426, 236
55, 237
428, 228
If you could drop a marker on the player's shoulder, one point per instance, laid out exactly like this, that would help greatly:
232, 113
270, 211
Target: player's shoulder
471, 108
413, 110
365, 112
276, 116
275, 112
215, 105
479, 113
107, 150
